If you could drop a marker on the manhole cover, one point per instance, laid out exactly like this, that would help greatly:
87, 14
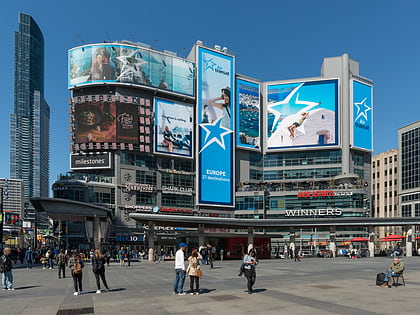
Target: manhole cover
321, 286
75, 311
224, 297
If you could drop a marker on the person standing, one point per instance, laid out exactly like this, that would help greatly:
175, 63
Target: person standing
61, 261
192, 270
76, 265
50, 256
180, 270
250, 261
98, 267
121, 254
6, 265
29, 258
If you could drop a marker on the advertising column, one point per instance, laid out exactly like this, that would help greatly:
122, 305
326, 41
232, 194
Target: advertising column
215, 119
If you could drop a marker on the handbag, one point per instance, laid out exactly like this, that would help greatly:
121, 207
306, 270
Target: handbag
198, 273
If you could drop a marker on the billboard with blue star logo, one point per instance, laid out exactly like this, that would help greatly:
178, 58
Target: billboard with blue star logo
362, 115
302, 114
248, 114
125, 64
215, 118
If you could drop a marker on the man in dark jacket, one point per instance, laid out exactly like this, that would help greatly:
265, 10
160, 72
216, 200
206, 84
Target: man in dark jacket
61, 261
6, 265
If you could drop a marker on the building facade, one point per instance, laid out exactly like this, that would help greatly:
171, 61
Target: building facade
152, 132
409, 178
385, 198
29, 123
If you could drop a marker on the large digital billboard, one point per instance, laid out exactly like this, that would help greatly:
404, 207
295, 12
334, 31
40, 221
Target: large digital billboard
132, 65
173, 127
106, 122
302, 114
362, 115
215, 118
248, 114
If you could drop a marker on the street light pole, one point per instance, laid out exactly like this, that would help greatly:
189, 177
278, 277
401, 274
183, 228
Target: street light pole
1, 217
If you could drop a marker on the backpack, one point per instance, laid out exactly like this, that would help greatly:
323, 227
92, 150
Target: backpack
380, 278
77, 268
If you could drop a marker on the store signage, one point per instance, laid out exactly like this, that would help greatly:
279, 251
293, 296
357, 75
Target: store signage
137, 187
129, 238
90, 161
176, 210
138, 208
323, 193
177, 189
313, 212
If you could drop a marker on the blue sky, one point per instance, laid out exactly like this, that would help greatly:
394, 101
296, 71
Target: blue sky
272, 40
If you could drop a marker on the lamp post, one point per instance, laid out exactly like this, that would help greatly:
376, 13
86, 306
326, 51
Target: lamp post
1, 218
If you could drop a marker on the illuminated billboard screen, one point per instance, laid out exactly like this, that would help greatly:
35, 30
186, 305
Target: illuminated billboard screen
106, 122
173, 127
302, 114
362, 115
130, 65
215, 118
248, 114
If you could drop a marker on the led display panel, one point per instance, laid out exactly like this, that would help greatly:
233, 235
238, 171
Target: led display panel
302, 114
215, 117
248, 114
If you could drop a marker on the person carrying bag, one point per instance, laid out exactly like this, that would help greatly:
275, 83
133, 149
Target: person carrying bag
194, 271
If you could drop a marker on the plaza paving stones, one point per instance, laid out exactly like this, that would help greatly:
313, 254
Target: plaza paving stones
313, 286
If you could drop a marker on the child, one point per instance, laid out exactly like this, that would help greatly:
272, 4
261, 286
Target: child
44, 262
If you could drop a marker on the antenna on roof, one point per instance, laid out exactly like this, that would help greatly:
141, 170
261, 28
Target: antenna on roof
80, 38
132, 37
107, 35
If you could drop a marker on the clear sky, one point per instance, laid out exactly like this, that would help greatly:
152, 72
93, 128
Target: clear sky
271, 39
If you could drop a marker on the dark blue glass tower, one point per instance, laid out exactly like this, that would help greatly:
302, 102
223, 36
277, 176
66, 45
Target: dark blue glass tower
29, 124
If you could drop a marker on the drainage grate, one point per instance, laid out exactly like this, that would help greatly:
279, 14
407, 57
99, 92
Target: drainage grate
224, 297
74, 311
321, 286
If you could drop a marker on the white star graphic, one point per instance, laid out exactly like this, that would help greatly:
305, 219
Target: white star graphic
292, 98
131, 66
217, 131
361, 112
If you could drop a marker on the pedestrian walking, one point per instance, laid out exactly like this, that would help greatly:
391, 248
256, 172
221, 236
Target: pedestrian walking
250, 262
121, 254
194, 271
50, 256
76, 265
98, 267
6, 265
180, 270
61, 261
221, 255
29, 258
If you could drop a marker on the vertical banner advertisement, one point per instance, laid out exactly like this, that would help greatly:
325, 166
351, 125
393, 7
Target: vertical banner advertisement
215, 119
248, 114
302, 114
362, 116
173, 128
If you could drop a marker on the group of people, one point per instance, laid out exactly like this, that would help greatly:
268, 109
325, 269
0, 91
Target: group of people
194, 270
72, 260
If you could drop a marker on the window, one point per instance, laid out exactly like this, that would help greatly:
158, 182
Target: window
406, 211
378, 163
386, 161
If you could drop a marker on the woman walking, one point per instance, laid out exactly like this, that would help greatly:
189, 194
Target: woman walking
76, 266
194, 271
98, 266
6, 265
250, 261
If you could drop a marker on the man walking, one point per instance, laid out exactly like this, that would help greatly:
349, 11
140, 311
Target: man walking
29, 258
180, 270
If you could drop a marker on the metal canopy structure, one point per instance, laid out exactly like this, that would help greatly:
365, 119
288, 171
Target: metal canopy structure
214, 222
69, 210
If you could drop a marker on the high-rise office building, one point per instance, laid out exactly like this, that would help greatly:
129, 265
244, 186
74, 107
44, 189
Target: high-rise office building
29, 124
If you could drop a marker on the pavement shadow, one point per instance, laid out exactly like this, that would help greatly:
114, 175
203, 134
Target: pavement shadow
117, 289
204, 291
259, 290
27, 287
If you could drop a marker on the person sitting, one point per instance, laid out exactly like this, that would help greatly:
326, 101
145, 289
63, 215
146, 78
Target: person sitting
396, 267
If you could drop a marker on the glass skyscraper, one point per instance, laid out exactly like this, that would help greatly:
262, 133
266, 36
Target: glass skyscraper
29, 124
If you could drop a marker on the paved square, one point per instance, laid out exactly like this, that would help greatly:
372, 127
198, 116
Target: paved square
313, 286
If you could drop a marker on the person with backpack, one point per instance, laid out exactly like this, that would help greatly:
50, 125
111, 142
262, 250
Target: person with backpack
6, 265
249, 263
61, 261
98, 267
76, 265
29, 258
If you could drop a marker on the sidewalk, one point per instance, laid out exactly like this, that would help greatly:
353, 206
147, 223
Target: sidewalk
313, 286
